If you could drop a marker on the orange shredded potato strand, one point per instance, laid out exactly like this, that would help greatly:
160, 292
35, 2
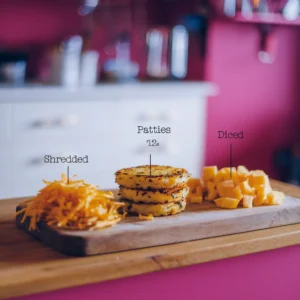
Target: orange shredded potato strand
72, 205
147, 218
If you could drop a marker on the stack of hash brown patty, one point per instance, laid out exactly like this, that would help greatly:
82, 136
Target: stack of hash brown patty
161, 193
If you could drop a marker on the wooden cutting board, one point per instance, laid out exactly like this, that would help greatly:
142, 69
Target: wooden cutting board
196, 222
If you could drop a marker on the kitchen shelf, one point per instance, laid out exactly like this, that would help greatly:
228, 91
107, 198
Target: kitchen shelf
266, 18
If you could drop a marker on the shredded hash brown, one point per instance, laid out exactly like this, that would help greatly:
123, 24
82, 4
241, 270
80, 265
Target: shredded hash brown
147, 218
72, 205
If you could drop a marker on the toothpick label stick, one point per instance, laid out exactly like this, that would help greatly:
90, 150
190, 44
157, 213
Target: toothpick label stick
230, 155
150, 165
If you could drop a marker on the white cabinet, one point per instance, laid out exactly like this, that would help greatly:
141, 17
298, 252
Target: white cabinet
104, 127
6, 145
64, 120
5, 122
6, 171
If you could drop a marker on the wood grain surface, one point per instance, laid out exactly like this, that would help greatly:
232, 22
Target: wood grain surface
47, 269
196, 222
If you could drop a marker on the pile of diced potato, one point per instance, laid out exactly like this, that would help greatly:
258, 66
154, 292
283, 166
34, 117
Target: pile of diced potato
233, 187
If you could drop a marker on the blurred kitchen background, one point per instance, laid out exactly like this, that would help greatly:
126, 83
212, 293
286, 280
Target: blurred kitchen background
78, 76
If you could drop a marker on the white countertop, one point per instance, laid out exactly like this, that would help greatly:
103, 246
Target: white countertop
136, 90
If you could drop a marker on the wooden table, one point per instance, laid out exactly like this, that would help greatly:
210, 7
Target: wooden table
27, 266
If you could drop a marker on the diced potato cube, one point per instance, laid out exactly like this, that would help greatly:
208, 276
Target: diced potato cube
209, 173
226, 174
211, 195
257, 178
248, 201
227, 188
233, 175
221, 175
246, 188
211, 191
195, 199
258, 172
195, 190
275, 198
257, 201
223, 186
193, 183
238, 193
210, 185
268, 188
199, 191
242, 172
227, 183
261, 195
226, 202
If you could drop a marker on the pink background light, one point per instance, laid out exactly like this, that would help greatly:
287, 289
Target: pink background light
260, 99
267, 275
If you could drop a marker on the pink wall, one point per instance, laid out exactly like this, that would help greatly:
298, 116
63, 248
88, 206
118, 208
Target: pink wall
262, 276
262, 100
28, 23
